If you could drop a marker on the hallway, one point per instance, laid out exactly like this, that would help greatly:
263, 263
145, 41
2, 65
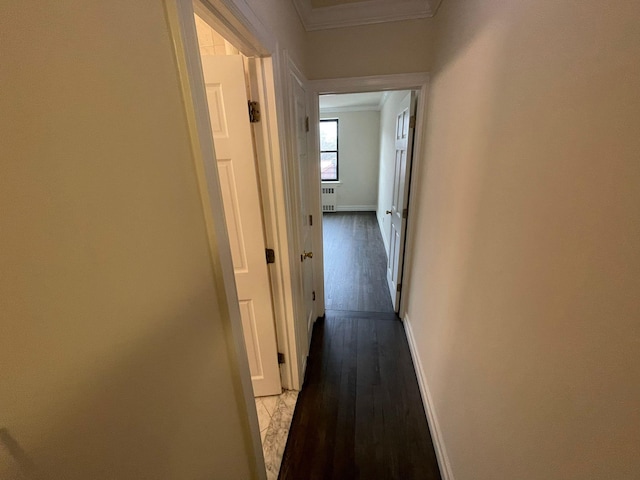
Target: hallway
360, 413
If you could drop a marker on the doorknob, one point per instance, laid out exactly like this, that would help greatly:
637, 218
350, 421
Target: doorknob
388, 212
306, 255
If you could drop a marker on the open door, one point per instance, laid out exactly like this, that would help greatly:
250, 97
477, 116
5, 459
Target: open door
400, 197
227, 100
304, 211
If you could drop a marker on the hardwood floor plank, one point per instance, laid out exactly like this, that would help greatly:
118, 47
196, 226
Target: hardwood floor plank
369, 426
344, 444
359, 415
355, 263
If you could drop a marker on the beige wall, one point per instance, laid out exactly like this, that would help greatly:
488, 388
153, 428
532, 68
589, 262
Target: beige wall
281, 19
524, 299
114, 357
113, 354
379, 49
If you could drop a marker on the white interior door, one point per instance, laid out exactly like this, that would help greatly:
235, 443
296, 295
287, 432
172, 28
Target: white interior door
305, 233
226, 95
400, 197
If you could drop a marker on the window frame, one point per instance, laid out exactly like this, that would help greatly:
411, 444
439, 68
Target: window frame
336, 151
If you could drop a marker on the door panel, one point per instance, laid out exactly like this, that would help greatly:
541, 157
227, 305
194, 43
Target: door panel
400, 196
229, 189
250, 328
305, 234
227, 99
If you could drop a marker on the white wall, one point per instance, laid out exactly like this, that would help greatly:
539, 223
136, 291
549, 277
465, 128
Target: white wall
115, 355
393, 104
358, 152
524, 290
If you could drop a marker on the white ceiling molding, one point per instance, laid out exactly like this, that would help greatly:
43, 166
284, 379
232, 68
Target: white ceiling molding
383, 100
351, 101
363, 13
367, 108
374, 83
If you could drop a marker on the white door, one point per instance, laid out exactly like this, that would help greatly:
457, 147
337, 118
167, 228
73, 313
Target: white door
226, 95
400, 197
305, 234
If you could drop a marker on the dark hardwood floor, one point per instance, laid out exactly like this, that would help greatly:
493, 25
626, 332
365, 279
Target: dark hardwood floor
355, 263
359, 414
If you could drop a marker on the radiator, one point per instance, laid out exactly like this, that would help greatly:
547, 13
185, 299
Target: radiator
328, 199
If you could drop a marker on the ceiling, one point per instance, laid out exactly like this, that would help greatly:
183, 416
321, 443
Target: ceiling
352, 101
324, 14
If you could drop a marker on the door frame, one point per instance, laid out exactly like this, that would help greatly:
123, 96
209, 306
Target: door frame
408, 81
181, 26
237, 22
303, 325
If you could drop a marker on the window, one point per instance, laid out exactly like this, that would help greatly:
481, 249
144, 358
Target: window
329, 150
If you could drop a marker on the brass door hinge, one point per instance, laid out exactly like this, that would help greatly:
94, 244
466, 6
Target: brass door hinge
254, 112
306, 124
280, 358
412, 121
271, 255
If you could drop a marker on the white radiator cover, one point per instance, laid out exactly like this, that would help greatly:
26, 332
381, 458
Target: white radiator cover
328, 199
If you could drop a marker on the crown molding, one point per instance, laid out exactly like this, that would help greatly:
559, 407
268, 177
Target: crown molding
354, 108
374, 83
383, 100
363, 13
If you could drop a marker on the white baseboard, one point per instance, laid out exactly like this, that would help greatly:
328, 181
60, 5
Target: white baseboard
385, 240
356, 208
434, 427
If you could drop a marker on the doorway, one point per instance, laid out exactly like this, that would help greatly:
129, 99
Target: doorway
389, 85
364, 179
360, 367
225, 77
229, 83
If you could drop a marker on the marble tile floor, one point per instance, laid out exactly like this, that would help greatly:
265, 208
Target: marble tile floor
274, 417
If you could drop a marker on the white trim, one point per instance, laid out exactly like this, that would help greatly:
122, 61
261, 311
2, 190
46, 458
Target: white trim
287, 178
384, 237
218, 16
355, 108
313, 144
417, 169
239, 23
181, 23
356, 208
408, 81
383, 100
273, 205
429, 407
374, 83
362, 13
292, 74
